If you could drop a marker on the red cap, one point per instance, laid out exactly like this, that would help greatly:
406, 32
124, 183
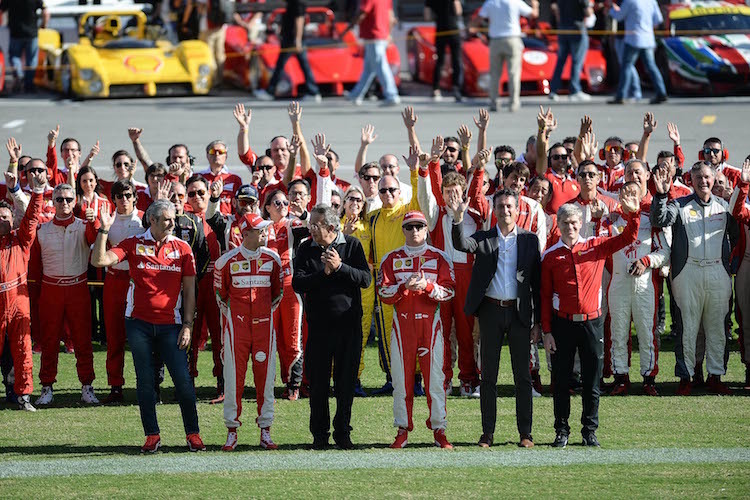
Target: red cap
414, 216
253, 221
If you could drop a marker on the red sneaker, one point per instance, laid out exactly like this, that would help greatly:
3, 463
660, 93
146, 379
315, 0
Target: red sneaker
401, 437
195, 443
619, 390
152, 445
716, 386
441, 441
685, 388
650, 390
231, 443
265, 440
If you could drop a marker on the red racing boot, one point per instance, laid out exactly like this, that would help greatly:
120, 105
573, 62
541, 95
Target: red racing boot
401, 437
152, 445
231, 443
685, 388
441, 441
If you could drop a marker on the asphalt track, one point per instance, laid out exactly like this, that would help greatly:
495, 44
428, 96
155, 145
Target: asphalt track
198, 120
165, 463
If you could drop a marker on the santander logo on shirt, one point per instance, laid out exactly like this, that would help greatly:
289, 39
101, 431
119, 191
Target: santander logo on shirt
160, 267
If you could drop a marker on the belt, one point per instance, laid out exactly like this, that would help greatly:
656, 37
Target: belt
501, 303
10, 285
65, 280
579, 317
703, 262
120, 274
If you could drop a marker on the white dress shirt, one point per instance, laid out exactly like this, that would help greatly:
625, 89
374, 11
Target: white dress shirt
504, 285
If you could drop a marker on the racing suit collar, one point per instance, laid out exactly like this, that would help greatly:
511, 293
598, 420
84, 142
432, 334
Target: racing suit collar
414, 251
249, 254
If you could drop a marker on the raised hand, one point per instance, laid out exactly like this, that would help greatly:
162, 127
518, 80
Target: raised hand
90, 215
597, 210
256, 177
319, 144
368, 134
464, 135
36, 179
163, 190
438, 147
295, 112
662, 181
481, 159
551, 122
243, 119
673, 132
175, 169
106, 219
52, 136
629, 200
457, 204
350, 224
134, 133
586, 125
409, 116
745, 171
294, 146
217, 187
11, 180
94, 150
322, 157
484, 119
589, 145
14, 150
649, 123
414, 158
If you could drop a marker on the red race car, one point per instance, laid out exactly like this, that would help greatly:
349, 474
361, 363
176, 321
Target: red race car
537, 65
336, 62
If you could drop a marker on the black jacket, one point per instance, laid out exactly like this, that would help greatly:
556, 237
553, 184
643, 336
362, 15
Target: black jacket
483, 244
335, 297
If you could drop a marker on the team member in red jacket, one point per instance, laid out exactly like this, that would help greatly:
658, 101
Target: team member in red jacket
247, 282
571, 294
216, 154
415, 279
64, 245
14, 296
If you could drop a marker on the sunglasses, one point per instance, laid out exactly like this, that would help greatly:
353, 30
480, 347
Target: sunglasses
125, 164
354, 199
61, 199
708, 151
502, 161
121, 196
281, 203
560, 157
388, 190
264, 167
176, 197
244, 203
197, 192
587, 175
414, 227
613, 149
217, 152
336, 205
451, 149
35, 171
371, 178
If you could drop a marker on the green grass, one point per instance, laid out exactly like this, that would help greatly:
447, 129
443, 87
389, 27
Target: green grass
69, 431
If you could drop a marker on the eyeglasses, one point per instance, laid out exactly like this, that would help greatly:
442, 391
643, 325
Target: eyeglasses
559, 157
126, 196
451, 149
354, 199
125, 164
336, 205
281, 203
414, 227
265, 167
502, 161
614, 149
61, 199
708, 151
587, 175
35, 170
371, 178
197, 192
391, 190
176, 197
217, 152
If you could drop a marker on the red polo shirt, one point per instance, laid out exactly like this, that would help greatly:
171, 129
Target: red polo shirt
564, 189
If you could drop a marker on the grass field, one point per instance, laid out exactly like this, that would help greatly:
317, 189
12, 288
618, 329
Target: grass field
651, 447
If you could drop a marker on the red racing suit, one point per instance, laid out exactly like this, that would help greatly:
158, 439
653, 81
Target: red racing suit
248, 291
417, 328
14, 296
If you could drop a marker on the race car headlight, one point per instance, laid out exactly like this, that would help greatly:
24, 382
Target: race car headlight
484, 81
204, 70
96, 86
86, 74
202, 83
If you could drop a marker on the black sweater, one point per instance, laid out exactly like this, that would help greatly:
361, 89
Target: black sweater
335, 297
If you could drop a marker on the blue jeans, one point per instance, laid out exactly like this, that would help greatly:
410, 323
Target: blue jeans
29, 47
634, 90
144, 339
629, 56
310, 86
575, 46
376, 64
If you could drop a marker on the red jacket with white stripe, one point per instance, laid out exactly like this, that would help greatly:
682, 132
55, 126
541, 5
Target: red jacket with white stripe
399, 265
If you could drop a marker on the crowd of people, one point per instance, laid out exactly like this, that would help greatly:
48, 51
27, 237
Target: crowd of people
563, 246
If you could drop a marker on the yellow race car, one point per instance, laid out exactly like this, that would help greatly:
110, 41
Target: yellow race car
118, 55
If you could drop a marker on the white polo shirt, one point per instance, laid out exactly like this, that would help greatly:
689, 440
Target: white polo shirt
504, 15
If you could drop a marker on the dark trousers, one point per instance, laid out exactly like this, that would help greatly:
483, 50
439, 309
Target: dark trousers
457, 56
339, 344
286, 52
494, 323
145, 339
588, 338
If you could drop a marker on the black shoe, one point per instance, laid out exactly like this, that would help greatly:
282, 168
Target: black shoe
320, 443
343, 442
561, 440
486, 440
387, 389
457, 95
616, 101
658, 99
359, 392
590, 440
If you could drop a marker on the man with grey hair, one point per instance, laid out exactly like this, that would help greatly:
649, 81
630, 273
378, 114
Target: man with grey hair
703, 229
64, 246
329, 270
571, 294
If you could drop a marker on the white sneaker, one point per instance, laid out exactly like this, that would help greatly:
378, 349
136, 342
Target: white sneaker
265, 440
88, 396
466, 390
45, 397
553, 97
231, 443
535, 394
312, 98
24, 403
263, 95
449, 389
580, 97
475, 392
437, 96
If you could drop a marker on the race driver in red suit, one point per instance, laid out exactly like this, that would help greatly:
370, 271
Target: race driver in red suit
415, 279
247, 282
14, 296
